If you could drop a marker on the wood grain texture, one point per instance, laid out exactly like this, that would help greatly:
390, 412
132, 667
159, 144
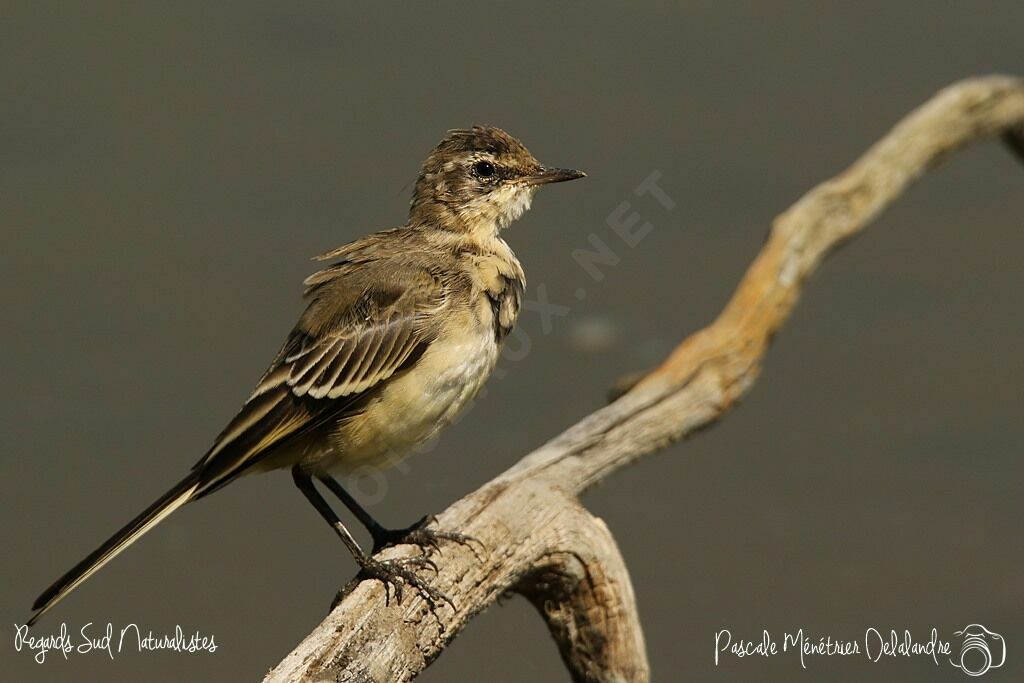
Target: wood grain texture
538, 540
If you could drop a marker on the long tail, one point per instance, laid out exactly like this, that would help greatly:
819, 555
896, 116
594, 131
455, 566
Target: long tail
151, 516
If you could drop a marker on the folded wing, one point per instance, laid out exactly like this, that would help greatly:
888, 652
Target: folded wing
362, 326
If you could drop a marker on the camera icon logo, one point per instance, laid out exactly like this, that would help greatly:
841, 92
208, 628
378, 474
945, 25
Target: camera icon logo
981, 650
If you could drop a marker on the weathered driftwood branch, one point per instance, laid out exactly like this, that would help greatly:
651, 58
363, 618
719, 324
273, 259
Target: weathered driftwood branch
583, 591
539, 541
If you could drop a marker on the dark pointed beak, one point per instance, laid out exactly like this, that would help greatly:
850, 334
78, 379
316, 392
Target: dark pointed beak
551, 175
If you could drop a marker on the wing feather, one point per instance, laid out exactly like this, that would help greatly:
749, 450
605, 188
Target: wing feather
333, 372
345, 345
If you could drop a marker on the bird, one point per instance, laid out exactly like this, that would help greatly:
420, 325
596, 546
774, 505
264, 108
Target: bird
399, 332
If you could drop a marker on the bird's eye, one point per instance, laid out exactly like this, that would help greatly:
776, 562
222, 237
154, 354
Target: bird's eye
484, 169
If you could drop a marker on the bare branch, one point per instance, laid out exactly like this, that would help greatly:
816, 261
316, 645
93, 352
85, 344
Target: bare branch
538, 539
585, 596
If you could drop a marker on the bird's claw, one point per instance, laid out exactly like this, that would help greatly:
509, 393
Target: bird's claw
399, 572
420, 534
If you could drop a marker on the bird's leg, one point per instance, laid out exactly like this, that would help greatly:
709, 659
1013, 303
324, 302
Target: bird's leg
393, 573
377, 531
418, 534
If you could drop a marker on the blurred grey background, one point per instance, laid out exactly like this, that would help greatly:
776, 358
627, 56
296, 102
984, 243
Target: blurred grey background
167, 170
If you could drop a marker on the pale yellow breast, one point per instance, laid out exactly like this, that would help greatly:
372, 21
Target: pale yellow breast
415, 406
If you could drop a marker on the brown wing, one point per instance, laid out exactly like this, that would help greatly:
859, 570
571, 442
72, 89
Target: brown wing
349, 361
364, 323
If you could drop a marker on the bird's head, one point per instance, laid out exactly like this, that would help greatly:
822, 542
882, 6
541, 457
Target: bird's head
479, 179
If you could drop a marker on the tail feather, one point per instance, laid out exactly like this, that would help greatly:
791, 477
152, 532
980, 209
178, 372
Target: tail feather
169, 502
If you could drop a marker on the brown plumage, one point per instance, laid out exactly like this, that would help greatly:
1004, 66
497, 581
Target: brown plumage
398, 334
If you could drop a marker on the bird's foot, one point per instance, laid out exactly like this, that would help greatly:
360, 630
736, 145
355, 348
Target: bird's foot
398, 573
420, 534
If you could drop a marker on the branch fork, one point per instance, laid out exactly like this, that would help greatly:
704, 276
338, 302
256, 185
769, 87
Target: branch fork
540, 542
